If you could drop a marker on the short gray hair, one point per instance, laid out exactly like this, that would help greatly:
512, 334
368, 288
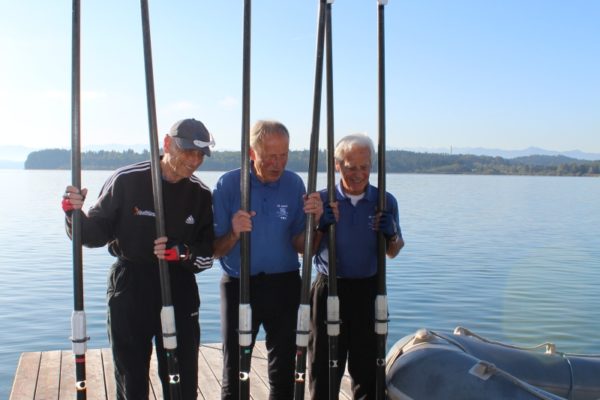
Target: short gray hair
263, 128
347, 143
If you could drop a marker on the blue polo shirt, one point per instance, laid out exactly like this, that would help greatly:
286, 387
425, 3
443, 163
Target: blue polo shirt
279, 217
356, 241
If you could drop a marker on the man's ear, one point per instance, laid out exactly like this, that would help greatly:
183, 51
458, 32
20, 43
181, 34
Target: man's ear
252, 154
167, 143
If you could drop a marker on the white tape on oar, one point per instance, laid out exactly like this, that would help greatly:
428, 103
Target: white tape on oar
333, 316
381, 315
167, 319
79, 338
245, 325
303, 330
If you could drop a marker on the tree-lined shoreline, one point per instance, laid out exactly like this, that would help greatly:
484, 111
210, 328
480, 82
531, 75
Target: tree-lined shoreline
398, 161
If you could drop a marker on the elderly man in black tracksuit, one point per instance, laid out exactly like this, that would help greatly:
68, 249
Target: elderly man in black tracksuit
124, 218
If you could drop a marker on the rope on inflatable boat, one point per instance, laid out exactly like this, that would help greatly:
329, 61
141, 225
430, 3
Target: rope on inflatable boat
549, 346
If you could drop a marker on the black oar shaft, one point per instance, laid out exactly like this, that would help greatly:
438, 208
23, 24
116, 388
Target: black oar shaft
304, 309
167, 312
333, 302
78, 323
381, 306
245, 311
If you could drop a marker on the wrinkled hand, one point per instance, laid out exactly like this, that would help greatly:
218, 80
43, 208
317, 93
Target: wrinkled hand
160, 245
242, 222
329, 217
176, 251
313, 205
386, 224
169, 250
73, 199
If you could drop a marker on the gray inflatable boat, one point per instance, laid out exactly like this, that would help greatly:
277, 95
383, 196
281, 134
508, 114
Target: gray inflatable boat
464, 366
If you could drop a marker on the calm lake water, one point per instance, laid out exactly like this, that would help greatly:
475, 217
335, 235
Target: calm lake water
512, 258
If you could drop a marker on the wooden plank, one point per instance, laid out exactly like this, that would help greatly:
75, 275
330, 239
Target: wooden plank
345, 391
260, 372
155, 384
346, 388
67, 376
26, 376
214, 357
210, 369
49, 375
212, 353
94, 375
109, 374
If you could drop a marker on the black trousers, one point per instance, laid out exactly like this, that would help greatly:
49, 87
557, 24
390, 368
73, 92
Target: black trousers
134, 306
357, 339
274, 299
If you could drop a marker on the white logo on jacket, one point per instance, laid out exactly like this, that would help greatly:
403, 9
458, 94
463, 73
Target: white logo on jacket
143, 213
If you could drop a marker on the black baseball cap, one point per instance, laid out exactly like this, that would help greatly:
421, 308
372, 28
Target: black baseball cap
191, 134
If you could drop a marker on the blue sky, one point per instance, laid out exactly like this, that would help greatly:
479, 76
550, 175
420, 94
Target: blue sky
505, 74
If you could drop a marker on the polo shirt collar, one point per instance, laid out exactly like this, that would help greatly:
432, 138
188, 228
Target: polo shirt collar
370, 194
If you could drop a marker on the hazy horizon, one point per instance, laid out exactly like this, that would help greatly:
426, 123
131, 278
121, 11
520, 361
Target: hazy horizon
18, 153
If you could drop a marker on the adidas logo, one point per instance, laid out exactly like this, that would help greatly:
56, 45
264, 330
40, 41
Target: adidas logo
190, 220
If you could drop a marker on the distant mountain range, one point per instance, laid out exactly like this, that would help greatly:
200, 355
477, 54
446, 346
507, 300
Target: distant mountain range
13, 157
530, 151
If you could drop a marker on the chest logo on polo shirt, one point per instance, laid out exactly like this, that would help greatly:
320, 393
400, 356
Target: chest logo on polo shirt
143, 213
190, 220
282, 211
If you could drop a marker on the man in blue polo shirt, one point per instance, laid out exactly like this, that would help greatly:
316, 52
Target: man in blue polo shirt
358, 221
279, 206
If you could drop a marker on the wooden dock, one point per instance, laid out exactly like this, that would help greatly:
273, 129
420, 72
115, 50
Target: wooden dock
50, 375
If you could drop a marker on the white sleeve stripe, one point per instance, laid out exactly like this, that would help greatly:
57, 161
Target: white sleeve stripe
204, 262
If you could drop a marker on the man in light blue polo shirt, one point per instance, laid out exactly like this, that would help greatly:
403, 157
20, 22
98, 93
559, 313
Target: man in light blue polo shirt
358, 220
276, 224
